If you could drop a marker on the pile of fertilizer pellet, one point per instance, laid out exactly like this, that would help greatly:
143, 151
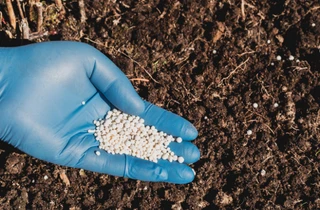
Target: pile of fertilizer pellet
120, 133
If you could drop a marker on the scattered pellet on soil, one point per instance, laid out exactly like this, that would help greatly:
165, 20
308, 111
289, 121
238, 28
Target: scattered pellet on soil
120, 133
279, 58
291, 58
249, 132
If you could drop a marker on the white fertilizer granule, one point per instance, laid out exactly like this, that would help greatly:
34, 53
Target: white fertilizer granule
120, 133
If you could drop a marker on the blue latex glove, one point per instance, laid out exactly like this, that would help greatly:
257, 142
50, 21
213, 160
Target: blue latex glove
42, 87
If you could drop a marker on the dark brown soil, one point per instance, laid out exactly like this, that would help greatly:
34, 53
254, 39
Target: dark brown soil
208, 62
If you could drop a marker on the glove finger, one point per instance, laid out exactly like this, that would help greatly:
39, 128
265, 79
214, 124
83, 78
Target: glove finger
177, 173
168, 122
115, 86
145, 170
187, 150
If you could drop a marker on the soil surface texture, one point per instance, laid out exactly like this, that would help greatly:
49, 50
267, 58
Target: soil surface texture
210, 62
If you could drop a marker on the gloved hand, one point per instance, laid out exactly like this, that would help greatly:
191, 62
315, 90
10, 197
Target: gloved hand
42, 90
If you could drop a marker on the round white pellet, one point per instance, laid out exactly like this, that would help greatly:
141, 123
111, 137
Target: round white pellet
83, 103
249, 132
291, 58
275, 105
180, 159
91, 131
263, 172
165, 156
255, 105
279, 58
268, 41
214, 51
98, 153
313, 24
175, 158
179, 139
45, 177
272, 64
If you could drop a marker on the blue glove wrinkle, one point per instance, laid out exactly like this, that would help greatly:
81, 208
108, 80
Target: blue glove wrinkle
74, 149
177, 173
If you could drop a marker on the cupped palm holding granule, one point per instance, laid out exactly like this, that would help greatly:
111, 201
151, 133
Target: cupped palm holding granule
120, 133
